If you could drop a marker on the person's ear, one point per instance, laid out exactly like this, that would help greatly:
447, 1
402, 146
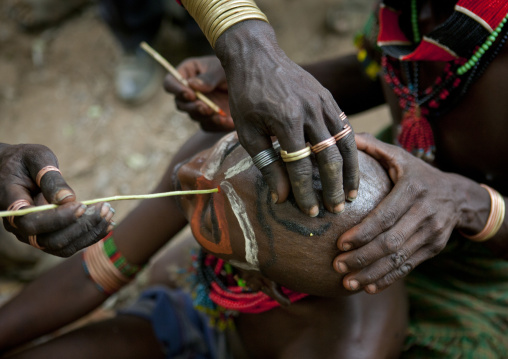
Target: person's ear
257, 282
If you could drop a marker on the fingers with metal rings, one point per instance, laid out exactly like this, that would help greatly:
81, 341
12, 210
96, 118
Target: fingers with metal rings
265, 157
14, 207
43, 171
295, 156
346, 131
323, 145
32, 240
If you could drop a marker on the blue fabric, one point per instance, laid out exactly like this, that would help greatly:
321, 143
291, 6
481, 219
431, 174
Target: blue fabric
182, 331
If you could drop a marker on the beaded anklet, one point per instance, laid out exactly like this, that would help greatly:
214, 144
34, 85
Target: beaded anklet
107, 267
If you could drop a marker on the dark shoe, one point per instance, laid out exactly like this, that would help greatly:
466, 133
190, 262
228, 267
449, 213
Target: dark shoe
137, 77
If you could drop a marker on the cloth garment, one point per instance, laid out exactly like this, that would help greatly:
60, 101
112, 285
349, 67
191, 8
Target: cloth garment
459, 305
183, 332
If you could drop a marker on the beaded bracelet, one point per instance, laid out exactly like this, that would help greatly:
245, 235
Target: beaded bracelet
495, 220
216, 16
107, 267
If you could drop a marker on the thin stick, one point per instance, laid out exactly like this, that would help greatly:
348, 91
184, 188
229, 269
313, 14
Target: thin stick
22, 212
165, 63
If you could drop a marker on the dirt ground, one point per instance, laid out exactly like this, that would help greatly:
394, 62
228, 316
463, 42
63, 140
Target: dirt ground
56, 89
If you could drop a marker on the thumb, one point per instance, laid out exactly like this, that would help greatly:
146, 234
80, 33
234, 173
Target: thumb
53, 186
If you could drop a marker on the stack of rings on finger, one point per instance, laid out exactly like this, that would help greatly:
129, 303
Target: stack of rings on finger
323, 145
343, 116
43, 171
33, 242
346, 131
14, 207
265, 157
295, 156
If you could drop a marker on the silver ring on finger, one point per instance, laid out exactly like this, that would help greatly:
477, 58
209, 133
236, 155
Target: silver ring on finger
33, 242
346, 131
265, 157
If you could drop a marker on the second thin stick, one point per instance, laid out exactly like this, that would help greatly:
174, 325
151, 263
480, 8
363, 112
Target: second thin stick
161, 60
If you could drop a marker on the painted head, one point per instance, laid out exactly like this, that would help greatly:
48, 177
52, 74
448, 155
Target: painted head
241, 225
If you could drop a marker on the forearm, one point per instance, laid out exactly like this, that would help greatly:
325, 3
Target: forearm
348, 83
59, 297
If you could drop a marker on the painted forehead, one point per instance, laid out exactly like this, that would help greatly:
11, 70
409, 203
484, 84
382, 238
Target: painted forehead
248, 198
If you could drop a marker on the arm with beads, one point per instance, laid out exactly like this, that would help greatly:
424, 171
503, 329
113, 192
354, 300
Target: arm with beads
80, 284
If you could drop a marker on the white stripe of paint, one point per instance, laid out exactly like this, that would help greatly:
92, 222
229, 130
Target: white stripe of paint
238, 207
241, 166
211, 167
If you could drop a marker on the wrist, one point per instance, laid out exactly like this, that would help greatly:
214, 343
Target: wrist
244, 40
474, 207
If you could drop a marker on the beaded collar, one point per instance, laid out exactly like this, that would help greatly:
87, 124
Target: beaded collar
464, 40
222, 294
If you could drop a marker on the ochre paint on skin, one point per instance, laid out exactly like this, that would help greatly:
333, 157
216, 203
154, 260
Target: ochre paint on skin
238, 207
241, 166
224, 245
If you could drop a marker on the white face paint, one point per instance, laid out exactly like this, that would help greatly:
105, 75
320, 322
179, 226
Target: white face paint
238, 207
241, 166
211, 166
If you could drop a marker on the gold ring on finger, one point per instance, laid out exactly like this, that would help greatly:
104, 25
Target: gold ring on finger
343, 116
295, 156
323, 145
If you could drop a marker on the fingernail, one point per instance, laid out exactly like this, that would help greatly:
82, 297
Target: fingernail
351, 196
314, 211
105, 209
341, 267
196, 81
354, 284
275, 197
109, 216
346, 247
80, 211
371, 288
110, 227
339, 208
63, 194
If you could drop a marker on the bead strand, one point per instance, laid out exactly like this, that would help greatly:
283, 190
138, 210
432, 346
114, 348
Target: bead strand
482, 49
414, 22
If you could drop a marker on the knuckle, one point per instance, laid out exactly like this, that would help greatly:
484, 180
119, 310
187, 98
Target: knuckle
416, 189
392, 242
360, 261
398, 258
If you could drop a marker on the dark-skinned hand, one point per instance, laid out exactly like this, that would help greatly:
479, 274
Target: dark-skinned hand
412, 224
204, 74
270, 95
61, 231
